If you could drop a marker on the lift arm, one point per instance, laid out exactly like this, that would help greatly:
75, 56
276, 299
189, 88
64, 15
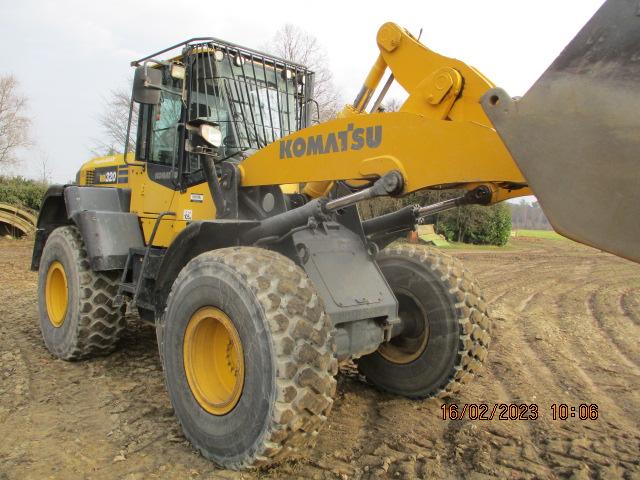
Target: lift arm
440, 137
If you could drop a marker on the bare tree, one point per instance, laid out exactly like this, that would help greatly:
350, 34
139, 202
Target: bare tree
113, 124
14, 124
295, 44
392, 105
46, 171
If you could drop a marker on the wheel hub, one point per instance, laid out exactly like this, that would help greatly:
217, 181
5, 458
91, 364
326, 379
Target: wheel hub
410, 344
213, 360
56, 294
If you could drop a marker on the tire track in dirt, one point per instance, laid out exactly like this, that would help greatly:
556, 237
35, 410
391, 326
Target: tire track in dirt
517, 452
497, 298
589, 356
573, 454
525, 303
528, 301
534, 447
353, 429
488, 450
601, 322
629, 305
565, 348
491, 275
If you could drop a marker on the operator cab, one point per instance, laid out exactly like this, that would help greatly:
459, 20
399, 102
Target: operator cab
215, 99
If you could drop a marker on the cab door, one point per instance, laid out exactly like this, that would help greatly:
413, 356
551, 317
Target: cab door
158, 145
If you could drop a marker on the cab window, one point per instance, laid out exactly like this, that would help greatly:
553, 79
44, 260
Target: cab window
158, 134
164, 132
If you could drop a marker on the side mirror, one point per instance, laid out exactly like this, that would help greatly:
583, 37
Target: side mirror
147, 85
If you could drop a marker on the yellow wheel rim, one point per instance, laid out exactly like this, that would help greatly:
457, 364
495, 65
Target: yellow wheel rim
213, 360
56, 294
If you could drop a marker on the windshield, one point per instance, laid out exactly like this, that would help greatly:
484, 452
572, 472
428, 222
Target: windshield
253, 103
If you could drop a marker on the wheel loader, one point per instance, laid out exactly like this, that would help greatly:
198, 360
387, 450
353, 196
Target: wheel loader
234, 228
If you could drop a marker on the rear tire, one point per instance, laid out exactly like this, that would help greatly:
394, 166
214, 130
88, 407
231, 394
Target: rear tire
77, 316
447, 333
265, 398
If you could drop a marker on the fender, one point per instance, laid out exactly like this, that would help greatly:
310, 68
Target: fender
53, 214
101, 214
197, 238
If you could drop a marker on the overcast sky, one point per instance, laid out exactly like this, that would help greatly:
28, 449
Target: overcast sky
67, 55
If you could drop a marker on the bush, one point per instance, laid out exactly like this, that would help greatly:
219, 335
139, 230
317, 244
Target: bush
471, 224
477, 224
383, 205
22, 192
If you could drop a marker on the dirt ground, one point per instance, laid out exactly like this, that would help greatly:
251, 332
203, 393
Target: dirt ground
566, 330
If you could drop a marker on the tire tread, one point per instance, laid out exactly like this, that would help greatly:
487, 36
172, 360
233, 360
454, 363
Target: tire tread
100, 323
471, 312
303, 344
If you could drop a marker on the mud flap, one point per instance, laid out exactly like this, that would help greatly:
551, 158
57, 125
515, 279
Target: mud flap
346, 276
576, 133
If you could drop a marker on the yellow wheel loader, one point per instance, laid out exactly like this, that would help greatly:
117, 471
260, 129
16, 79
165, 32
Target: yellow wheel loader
234, 226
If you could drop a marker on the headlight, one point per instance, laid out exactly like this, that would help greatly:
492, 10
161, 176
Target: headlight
211, 134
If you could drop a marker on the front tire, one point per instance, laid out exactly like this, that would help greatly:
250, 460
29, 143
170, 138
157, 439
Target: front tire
77, 317
248, 356
446, 325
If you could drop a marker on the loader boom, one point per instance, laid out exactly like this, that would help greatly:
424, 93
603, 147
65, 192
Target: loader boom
441, 136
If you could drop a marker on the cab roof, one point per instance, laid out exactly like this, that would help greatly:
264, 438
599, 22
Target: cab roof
225, 46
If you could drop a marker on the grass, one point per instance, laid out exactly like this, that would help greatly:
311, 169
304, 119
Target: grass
547, 234
544, 234
437, 240
444, 245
